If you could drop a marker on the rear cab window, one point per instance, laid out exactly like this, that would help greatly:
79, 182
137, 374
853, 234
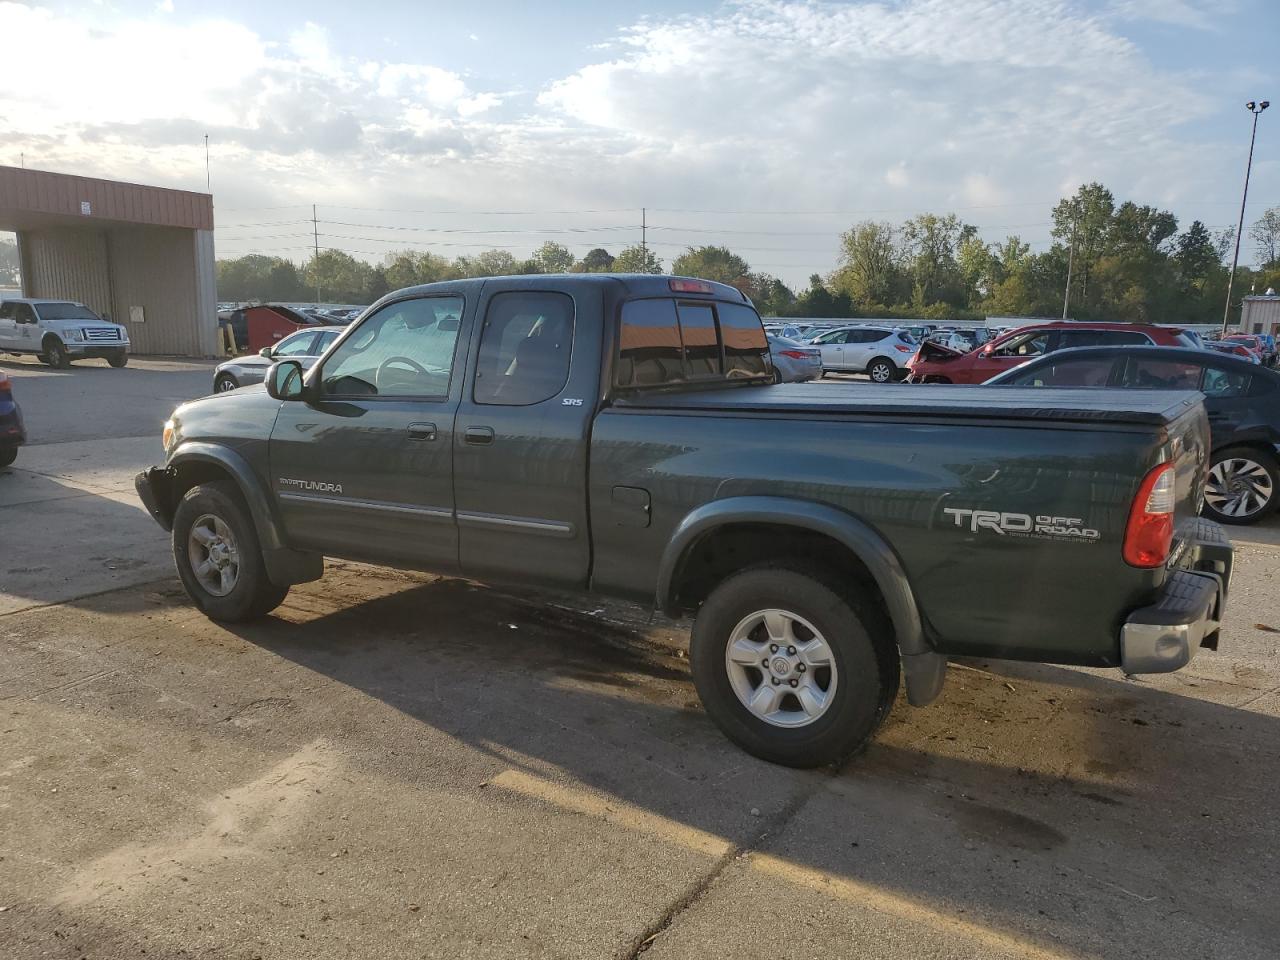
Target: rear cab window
668, 340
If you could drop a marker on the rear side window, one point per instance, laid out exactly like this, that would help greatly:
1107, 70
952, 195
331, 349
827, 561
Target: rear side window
1147, 373
525, 347
663, 341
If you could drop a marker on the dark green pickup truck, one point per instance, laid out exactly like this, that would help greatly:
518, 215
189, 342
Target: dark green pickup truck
622, 435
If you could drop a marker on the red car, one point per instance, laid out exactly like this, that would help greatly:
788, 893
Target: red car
934, 363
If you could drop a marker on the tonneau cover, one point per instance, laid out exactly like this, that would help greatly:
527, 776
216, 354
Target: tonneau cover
1079, 405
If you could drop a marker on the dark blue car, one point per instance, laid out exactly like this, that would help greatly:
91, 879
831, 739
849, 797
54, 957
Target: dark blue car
12, 433
1242, 399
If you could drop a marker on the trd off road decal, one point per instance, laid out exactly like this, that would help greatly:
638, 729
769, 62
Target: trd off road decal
1023, 525
312, 485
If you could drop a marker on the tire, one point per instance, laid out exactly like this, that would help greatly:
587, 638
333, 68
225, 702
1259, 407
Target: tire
881, 370
861, 680
777, 375
219, 511
224, 382
1243, 485
8, 455
118, 359
56, 354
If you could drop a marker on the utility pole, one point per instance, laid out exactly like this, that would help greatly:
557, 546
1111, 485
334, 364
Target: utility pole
1071, 257
208, 182
1255, 109
644, 238
315, 261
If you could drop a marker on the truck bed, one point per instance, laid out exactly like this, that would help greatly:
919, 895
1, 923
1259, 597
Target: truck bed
1085, 405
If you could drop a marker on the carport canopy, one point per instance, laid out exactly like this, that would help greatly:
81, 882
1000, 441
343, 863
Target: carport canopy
141, 254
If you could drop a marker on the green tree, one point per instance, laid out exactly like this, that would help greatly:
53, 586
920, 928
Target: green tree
712, 263
1082, 223
771, 296
930, 243
376, 285
408, 268
9, 266
553, 257
637, 259
1266, 234
869, 266
259, 277
487, 263
597, 260
1196, 255
337, 277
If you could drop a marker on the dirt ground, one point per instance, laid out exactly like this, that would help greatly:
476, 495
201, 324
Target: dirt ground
399, 766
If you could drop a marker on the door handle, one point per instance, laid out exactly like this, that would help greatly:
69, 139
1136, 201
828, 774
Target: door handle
480, 436
422, 431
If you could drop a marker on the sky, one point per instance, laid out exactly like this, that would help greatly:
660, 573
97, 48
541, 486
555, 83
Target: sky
768, 126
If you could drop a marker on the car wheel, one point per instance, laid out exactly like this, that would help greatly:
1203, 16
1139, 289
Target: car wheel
56, 354
224, 382
219, 560
881, 370
1242, 486
118, 359
788, 667
777, 375
8, 455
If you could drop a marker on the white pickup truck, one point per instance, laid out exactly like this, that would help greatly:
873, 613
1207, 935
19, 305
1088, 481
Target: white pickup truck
59, 331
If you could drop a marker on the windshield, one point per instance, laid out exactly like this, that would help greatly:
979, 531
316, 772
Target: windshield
65, 311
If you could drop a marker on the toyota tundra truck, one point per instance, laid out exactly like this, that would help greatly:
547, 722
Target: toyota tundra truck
622, 435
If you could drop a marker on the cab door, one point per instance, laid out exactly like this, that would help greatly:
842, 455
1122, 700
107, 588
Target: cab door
363, 468
8, 324
522, 440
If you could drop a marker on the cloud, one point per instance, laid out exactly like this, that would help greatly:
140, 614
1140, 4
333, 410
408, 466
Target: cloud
865, 108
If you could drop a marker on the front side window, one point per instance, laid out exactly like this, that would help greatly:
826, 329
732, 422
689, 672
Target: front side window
1031, 344
1224, 384
1082, 372
839, 336
66, 311
8, 311
406, 349
326, 339
295, 345
525, 348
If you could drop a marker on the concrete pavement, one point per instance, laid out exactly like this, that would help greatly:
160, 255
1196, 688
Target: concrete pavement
398, 765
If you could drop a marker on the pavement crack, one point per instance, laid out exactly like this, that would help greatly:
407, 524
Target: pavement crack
698, 890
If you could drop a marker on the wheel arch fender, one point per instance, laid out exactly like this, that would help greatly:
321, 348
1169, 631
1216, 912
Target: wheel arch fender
923, 668
284, 564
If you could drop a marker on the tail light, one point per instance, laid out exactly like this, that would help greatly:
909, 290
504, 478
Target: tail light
1148, 537
796, 354
903, 348
5, 384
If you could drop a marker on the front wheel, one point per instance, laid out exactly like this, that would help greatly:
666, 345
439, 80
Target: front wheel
881, 370
1242, 486
118, 359
788, 669
225, 383
56, 354
8, 455
219, 560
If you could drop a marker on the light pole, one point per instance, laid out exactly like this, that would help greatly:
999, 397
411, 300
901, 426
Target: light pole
1255, 109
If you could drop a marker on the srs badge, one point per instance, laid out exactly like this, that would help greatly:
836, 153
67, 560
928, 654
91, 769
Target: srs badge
1023, 525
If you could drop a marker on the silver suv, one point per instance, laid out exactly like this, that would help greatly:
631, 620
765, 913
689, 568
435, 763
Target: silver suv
59, 331
879, 352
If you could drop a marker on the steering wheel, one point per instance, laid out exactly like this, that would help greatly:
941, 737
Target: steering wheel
413, 365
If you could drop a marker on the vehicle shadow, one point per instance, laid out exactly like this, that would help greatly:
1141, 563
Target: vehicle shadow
1059, 807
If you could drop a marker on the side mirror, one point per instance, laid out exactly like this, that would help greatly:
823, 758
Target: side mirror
265, 352
284, 380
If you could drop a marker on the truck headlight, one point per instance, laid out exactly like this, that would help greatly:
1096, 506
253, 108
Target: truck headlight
169, 435
77, 334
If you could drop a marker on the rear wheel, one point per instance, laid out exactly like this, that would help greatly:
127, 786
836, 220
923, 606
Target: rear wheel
219, 559
788, 668
881, 370
1242, 485
224, 383
8, 455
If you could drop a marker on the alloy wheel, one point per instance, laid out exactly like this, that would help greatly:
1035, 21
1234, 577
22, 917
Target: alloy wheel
214, 556
1238, 487
781, 668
